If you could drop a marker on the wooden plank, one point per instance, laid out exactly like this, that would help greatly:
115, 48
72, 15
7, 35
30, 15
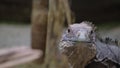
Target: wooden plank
10, 57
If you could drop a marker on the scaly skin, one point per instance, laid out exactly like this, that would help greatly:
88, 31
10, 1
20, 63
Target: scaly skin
80, 43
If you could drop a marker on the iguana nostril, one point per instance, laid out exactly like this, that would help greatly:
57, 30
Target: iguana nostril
78, 34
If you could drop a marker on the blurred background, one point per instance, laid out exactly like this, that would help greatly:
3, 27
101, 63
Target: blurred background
15, 11
15, 19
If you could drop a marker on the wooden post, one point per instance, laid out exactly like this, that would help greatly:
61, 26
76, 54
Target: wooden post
39, 25
56, 19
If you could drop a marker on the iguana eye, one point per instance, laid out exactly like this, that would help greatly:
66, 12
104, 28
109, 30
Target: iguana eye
69, 30
91, 32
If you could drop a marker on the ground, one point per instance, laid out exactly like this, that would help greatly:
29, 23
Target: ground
12, 35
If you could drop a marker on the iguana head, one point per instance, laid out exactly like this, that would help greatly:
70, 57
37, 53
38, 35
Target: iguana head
79, 32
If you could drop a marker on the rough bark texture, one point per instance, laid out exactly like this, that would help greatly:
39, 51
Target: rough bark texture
56, 20
39, 25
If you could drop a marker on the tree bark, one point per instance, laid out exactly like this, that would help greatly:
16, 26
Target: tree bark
39, 25
56, 20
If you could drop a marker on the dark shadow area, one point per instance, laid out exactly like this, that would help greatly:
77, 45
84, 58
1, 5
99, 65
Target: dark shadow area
96, 10
15, 10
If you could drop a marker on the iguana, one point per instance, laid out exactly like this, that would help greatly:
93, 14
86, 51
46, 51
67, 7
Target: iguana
84, 47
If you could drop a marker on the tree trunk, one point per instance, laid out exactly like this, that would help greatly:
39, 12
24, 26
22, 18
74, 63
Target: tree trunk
56, 20
39, 25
